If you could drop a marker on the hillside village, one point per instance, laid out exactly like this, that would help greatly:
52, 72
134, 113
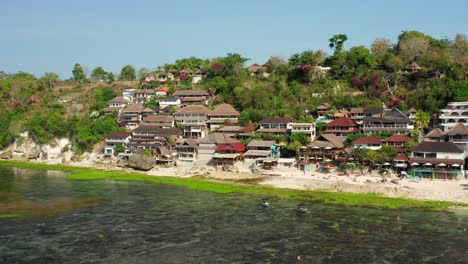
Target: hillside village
184, 130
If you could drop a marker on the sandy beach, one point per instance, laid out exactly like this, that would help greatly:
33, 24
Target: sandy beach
292, 178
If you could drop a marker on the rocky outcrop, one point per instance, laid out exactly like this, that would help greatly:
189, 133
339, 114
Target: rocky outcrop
33, 154
6, 155
141, 162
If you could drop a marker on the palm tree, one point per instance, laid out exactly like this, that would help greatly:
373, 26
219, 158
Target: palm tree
372, 156
421, 120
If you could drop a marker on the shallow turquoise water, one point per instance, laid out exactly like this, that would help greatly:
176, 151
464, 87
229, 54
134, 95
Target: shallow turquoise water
148, 223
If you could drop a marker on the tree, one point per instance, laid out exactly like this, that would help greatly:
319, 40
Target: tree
359, 153
337, 42
143, 72
300, 137
371, 156
79, 74
49, 79
128, 73
99, 74
421, 120
380, 47
111, 77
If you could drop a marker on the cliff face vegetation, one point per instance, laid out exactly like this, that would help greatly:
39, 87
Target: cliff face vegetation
418, 71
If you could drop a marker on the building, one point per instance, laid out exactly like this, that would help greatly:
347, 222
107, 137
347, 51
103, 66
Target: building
228, 154
193, 120
400, 162
163, 121
162, 91
129, 94
440, 160
275, 125
149, 137
192, 96
325, 147
457, 134
398, 141
208, 144
223, 113
115, 139
186, 150
369, 142
131, 116
169, 102
392, 121
262, 149
308, 128
341, 127
116, 104
142, 96
322, 111
357, 114
163, 155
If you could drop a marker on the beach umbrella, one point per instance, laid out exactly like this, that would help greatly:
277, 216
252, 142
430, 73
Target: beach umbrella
428, 164
442, 165
414, 164
455, 165
386, 164
328, 148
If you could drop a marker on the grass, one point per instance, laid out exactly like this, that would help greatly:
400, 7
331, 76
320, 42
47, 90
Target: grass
11, 215
322, 196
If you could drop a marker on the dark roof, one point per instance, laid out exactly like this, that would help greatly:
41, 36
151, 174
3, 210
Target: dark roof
431, 146
372, 111
368, 141
341, 122
158, 131
398, 138
118, 134
327, 140
216, 138
276, 120
190, 93
395, 113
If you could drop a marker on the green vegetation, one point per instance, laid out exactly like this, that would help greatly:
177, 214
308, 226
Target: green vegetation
339, 198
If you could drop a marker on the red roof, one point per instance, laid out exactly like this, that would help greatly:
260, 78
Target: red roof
248, 128
341, 122
119, 134
401, 157
367, 141
398, 138
255, 65
236, 146
164, 89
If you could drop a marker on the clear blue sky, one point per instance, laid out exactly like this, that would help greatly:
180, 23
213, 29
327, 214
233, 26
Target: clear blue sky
53, 35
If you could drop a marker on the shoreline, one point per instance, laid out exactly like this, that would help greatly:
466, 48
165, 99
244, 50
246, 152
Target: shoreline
298, 188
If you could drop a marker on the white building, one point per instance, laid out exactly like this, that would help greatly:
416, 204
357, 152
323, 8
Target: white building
456, 112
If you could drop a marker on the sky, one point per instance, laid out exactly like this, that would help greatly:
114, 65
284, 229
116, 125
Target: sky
53, 35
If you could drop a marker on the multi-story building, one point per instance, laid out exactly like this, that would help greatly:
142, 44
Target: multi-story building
398, 142
458, 134
369, 142
131, 115
192, 96
275, 125
164, 121
221, 114
193, 120
169, 102
116, 104
115, 139
142, 95
308, 128
392, 121
187, 150
456, 112
341, 127
149, 137
326, 146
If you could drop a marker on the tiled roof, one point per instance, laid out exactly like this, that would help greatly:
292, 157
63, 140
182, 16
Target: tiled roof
401, 157
164, 89
261, 143
398, 138
118, 134
341, 122
367, 141
224, 109
235, 146
257, 153
158, 118
458, 129
430, 146
276, 120
133, 108
190, 93
435, 133
217, 139
193, 109
119, 100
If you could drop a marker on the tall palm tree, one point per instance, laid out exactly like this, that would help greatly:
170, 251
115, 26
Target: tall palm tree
372, 156
421, 121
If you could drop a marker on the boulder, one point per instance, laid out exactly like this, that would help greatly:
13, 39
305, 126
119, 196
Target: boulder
45, 155
75, 158
141, 162
395, 181
6, 155
34, 154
